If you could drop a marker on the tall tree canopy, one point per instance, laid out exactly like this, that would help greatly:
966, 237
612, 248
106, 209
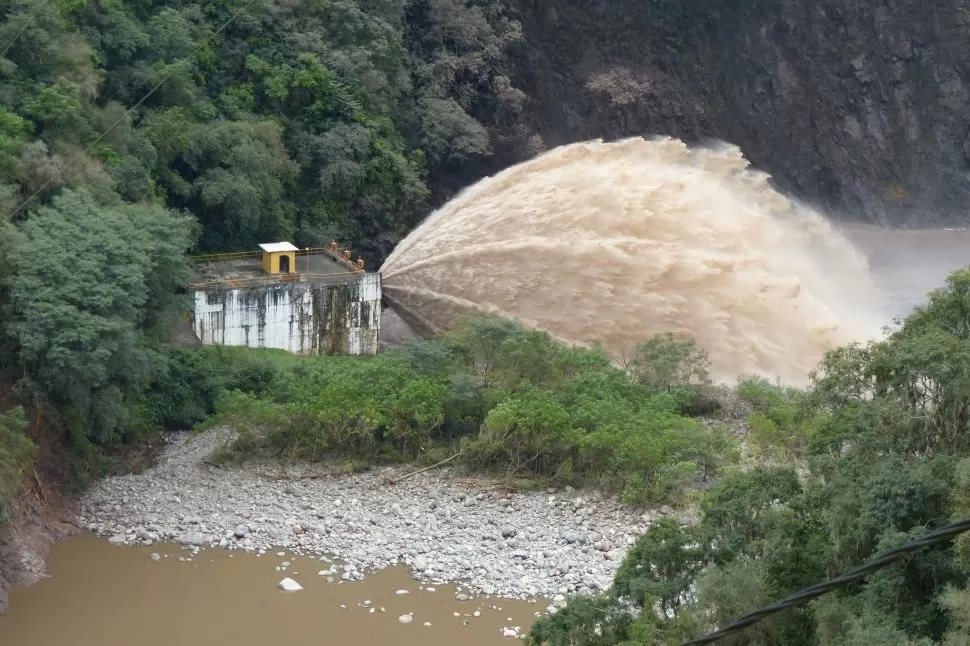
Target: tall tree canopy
265, 121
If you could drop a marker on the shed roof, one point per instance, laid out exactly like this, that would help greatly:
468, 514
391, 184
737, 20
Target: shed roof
275, 247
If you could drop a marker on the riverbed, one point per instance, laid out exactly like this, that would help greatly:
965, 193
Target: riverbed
106, 595
524, 545
186, 552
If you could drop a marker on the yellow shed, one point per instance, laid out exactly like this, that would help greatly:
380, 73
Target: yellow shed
278, 257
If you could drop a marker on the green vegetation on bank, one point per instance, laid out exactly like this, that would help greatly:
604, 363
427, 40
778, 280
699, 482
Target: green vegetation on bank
878, 453
17, 454
512, 402
132, 133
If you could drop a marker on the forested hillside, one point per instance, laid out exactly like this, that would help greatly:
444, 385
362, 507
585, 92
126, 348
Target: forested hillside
133, 133
303, 121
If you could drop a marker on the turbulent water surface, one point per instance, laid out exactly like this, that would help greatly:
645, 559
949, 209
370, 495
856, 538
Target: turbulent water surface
614, 242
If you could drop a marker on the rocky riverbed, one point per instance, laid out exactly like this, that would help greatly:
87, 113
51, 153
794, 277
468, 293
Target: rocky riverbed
523, 545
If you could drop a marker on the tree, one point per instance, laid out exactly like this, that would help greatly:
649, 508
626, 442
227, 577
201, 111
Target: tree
665, 364
17, 453
885, 462
89, 279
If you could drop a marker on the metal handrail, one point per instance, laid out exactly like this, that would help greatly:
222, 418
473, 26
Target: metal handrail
220, 257
343, 257
271, 279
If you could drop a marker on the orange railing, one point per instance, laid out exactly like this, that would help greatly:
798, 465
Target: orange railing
343, 256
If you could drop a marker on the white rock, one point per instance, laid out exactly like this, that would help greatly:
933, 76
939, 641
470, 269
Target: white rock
289, 585
117, 539
405, 619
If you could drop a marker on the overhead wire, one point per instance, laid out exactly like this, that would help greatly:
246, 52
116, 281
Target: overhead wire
27, 25
939, 535
165, 78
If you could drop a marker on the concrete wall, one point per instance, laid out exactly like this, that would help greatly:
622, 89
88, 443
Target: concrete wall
340, 317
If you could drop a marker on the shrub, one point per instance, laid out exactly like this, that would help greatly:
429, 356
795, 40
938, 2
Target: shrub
17, 453
513, 401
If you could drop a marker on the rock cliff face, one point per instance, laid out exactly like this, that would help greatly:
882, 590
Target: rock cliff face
861, 108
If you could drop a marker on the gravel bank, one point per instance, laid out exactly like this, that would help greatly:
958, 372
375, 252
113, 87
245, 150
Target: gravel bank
514, 545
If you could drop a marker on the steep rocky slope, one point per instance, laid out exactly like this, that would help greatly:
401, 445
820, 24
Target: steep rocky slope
858, 107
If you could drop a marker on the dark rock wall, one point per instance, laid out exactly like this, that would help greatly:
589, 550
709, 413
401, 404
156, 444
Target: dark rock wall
858, 107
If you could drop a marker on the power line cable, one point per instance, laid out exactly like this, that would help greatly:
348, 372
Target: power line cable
138, 103
940, 535
27, 25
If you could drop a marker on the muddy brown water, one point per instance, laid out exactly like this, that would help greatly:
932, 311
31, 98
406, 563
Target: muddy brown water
613, 242
907, 264
105, 595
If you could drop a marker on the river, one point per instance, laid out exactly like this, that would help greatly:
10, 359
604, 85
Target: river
106, 595
906, 264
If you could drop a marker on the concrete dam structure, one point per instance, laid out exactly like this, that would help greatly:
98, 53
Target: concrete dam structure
305, 301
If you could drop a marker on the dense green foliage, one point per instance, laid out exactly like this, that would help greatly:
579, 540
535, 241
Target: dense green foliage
511, 401
88, 279
880, 455
132, 133
17, 453
302, 121
86, 291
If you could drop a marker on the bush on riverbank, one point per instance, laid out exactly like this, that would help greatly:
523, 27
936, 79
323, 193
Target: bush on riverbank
511, 401
17, 454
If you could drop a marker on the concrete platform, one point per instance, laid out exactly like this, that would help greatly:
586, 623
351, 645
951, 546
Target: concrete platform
315, 267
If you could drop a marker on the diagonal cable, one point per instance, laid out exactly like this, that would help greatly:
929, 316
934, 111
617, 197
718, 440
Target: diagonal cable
135, 106
27, 25
940, 535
